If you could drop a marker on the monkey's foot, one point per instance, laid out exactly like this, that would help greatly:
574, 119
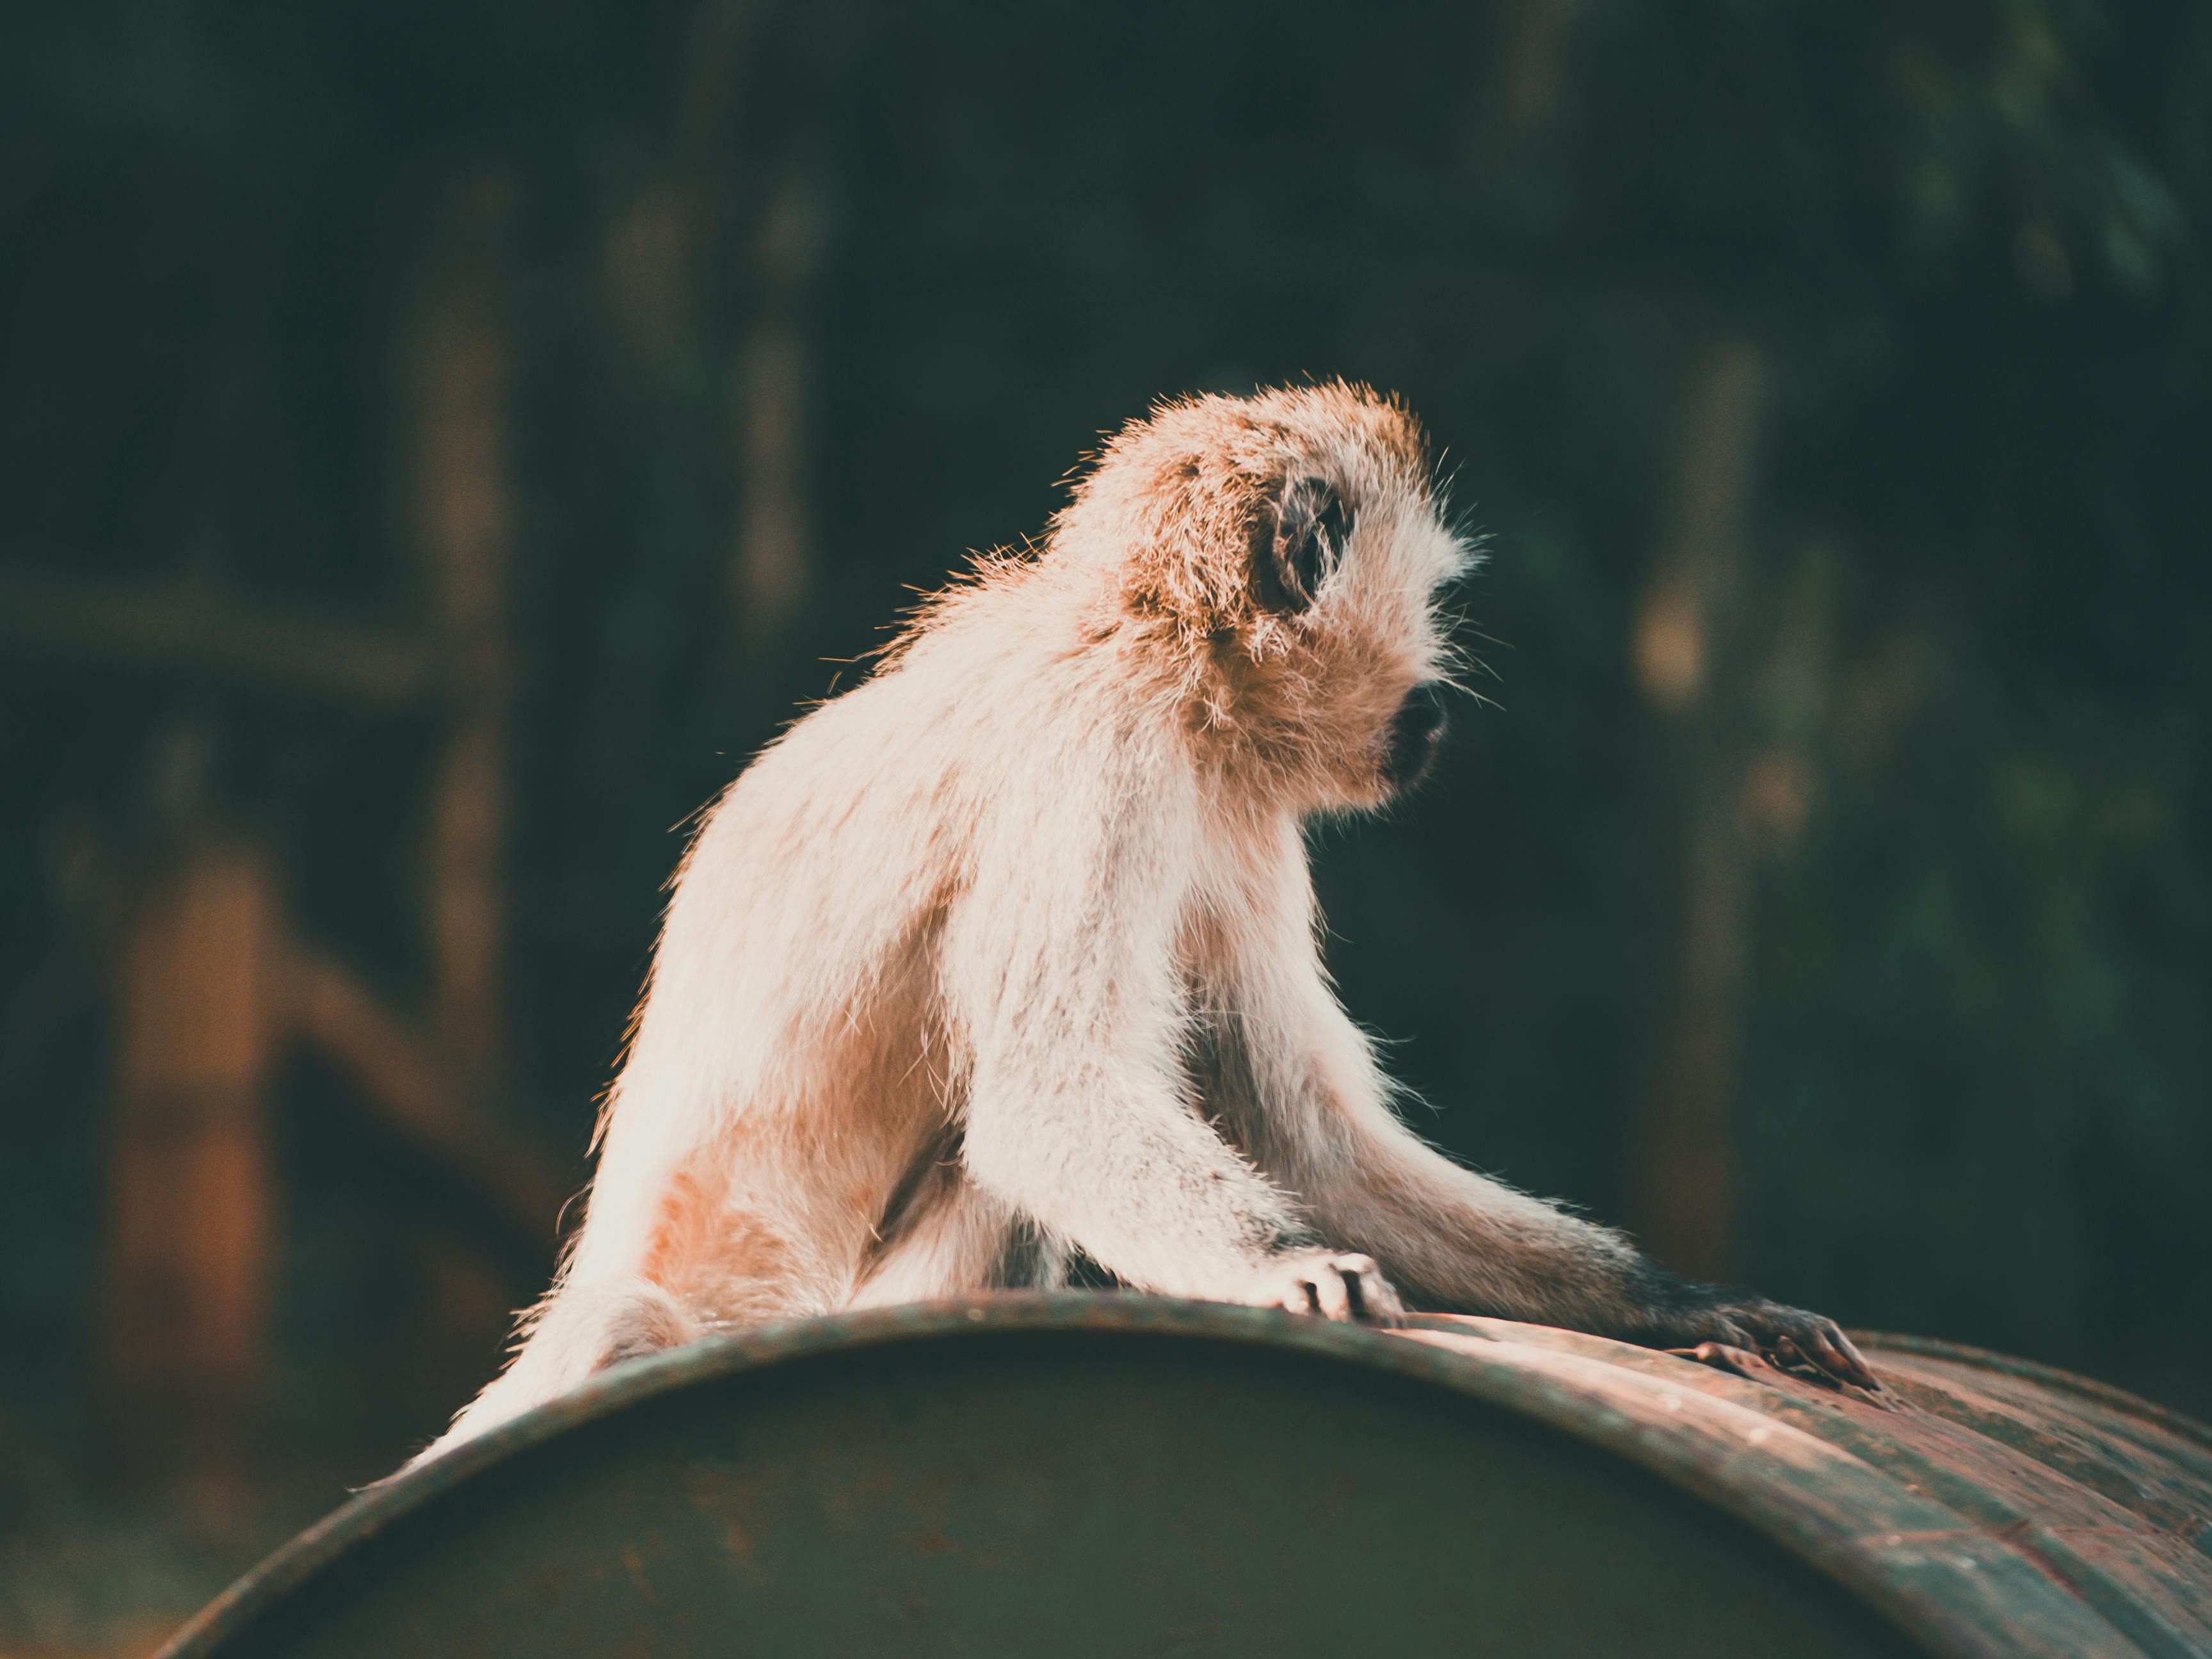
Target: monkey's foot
1728, 1333
1335, 1284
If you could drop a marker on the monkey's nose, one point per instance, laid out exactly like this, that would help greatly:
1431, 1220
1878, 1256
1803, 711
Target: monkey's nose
1417, 731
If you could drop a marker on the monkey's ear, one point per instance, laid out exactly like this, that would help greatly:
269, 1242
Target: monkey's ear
1295, 546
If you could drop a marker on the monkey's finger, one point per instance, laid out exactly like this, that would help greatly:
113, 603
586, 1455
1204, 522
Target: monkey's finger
1729, 1334
1332, 1295
1836, 1354
1367, 1295
1374, 1300
1724, 1357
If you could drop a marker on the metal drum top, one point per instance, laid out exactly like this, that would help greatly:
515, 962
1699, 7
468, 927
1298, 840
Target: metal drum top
1116, 1474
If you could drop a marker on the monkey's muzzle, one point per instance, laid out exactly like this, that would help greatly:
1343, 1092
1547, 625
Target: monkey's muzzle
1417, 731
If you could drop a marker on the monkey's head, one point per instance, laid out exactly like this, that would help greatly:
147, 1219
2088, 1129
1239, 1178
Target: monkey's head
1281, 558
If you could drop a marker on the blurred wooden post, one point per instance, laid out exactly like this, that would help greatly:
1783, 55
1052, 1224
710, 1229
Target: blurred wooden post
775, 387
1684, 662
458, 365
191, 1193
736, 215
1533, 63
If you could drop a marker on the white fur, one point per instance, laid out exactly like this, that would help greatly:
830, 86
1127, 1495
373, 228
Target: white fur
1022, 928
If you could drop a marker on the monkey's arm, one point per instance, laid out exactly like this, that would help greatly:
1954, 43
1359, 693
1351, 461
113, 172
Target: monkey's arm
1299, 1084
1060, 970
1320, 1120
1454, 1240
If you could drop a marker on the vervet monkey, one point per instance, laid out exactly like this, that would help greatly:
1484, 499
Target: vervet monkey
1009, 952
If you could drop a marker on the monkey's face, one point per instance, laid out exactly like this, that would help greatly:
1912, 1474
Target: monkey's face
1276, 560
1340, 693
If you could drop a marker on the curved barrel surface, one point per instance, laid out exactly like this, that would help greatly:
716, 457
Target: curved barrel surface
1119, 1474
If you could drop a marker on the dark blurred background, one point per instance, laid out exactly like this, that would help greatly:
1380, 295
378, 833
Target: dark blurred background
439, 443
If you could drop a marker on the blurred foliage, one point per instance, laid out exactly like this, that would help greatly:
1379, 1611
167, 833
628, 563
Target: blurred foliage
1968, 239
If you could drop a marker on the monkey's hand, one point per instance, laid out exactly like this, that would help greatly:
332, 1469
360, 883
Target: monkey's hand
1335, 1283
1789, 1338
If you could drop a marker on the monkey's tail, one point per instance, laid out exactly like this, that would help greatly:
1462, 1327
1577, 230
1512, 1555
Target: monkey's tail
579, 1330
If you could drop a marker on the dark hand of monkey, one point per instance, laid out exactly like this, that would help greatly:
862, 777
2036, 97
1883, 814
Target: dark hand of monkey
1789, 1339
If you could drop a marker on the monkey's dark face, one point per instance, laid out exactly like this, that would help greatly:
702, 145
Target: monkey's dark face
1416, 735
1343, 690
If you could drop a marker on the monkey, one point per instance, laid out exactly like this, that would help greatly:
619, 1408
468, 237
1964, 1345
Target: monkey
1007, 958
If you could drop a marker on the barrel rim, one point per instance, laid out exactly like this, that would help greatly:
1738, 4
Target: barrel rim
2178, 1424
1766, 1507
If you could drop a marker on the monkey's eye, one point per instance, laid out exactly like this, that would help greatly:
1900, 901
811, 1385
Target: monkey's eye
1311, 526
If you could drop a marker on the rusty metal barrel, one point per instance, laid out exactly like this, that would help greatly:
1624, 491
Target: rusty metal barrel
1079, 1475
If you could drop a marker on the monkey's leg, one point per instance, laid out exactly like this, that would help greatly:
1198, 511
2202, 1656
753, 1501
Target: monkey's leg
950, 1238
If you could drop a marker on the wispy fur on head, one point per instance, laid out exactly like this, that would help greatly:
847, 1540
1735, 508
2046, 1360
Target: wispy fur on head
1167, 545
